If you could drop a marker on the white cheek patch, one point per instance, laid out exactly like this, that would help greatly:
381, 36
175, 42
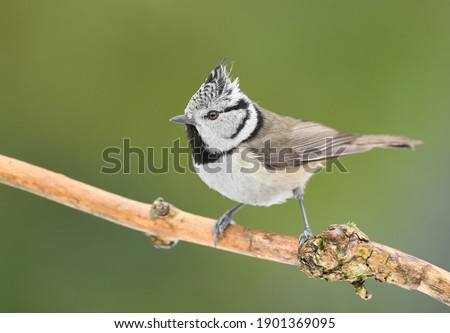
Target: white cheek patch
229, 135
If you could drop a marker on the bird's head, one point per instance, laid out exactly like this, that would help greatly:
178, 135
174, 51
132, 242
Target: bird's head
220, 113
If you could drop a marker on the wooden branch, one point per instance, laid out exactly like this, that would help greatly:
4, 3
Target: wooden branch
341, 252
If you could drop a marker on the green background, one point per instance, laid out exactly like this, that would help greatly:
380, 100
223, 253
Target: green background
79, 76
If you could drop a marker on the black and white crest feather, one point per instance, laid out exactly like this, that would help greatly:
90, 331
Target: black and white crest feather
217, 88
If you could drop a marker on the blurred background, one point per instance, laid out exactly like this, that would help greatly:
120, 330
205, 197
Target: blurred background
77, 77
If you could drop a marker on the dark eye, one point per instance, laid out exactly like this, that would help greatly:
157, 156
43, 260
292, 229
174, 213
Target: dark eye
213, 115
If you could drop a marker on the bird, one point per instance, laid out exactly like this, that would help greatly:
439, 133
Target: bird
256, 157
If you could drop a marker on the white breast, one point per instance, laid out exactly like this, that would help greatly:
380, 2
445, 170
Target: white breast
250, 182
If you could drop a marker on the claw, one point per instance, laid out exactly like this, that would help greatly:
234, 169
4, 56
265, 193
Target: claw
220, 226
306, 234
223, 222
216, 237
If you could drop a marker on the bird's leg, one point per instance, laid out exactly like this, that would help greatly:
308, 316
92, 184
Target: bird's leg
307, 232
223, 222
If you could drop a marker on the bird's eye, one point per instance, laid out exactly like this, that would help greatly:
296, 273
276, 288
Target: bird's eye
213, 115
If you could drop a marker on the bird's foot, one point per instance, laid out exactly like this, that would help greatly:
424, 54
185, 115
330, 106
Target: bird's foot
306, 234
220, 226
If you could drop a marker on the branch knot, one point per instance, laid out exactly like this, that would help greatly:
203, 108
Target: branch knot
339, 253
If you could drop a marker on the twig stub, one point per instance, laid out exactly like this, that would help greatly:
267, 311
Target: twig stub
160, 209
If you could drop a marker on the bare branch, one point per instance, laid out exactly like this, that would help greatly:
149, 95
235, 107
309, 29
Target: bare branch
341, 252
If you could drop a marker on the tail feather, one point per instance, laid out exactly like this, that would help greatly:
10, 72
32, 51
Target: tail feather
365, 143
386, 141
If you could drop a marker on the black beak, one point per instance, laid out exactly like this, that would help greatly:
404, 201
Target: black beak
181, 120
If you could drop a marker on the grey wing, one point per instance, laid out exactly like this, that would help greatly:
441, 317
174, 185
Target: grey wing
304, 142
